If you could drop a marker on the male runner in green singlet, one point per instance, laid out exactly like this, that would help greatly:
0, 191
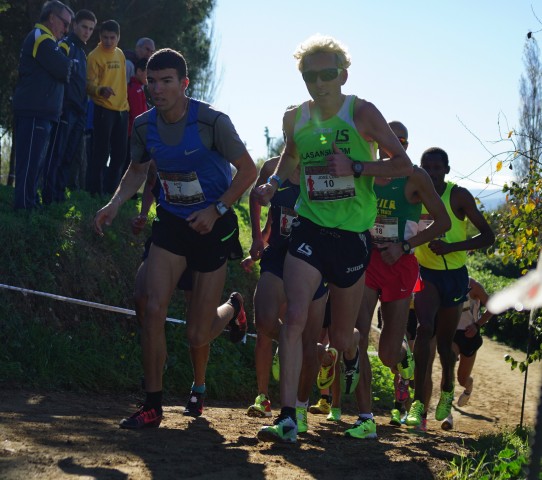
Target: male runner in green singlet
333, 138
445, 285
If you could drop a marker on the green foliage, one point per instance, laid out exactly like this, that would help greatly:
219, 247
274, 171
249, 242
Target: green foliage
383, 389
502, 455
510, 327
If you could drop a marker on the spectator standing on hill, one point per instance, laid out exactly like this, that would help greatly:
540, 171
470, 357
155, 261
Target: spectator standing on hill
69, 131
137, 100
44, 70
144, 48
193, 147
107, 88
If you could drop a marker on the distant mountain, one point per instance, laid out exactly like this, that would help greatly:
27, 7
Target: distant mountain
491, 199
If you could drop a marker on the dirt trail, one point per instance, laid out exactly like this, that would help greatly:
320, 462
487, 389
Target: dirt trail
57, 435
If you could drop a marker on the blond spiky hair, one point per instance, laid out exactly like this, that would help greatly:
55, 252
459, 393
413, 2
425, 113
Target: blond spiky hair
322, 43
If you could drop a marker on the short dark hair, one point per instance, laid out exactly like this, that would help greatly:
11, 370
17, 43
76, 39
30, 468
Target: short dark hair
141, 64
53, 7
168, 58
436, 151
110, 26
85, 15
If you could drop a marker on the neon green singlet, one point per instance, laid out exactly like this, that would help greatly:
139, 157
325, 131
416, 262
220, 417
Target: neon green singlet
346, 203
458, 233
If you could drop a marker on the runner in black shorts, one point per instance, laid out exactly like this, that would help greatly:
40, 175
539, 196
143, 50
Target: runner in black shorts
467, 341
332, 138
270, 246
193, 146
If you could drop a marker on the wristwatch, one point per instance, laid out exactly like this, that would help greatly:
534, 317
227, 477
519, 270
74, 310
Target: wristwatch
221, 208
357, 168
406, 247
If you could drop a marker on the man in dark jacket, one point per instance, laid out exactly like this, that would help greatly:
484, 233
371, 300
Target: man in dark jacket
69, 131
44, 69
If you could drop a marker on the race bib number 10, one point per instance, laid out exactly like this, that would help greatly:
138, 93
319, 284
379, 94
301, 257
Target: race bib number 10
321, 186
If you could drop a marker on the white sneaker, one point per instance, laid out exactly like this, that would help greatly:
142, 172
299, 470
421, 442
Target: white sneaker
465, 396
447, 423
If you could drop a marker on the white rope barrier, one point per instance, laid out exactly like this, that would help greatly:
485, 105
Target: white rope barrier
109, 308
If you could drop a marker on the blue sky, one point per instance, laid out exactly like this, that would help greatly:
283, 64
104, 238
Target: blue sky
434, 65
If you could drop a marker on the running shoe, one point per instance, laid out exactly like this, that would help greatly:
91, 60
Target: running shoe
326, 375
261, 407
322, 407
144, 418
448, 423
402, 393
284, 429
444, 406
414, 417
363, 428
275, 366
301, 418
395, 418
349, 375
334, 414
422, 427
238, 324
406, 366
194, 407
465, 396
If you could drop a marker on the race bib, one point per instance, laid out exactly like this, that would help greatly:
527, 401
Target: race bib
385, 229
321, 186
181, 188
287, 215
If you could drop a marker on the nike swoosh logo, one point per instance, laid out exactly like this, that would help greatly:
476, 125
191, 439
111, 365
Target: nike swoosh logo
190, 152
457, 299
283, 188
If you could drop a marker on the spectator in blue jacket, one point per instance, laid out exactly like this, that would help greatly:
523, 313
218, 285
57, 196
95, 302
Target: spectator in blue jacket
67, 135
44, 69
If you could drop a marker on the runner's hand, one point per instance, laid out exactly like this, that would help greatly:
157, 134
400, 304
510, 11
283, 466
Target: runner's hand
391, 252
264, 193
339, 165
203, 221
438, 247
247, 264
105, 216
256, 249
471, 331
138, 224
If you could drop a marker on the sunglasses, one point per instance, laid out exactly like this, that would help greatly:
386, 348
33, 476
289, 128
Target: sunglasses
326, 75
403, 140
63, 20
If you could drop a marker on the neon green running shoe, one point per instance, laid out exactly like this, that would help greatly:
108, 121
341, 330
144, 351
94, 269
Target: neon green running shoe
334, 414
444, 406
363, 428
301, 418
414, 417
326, 375
407, 365
261, 407
275, 366
395, 418
322, 407
283, 430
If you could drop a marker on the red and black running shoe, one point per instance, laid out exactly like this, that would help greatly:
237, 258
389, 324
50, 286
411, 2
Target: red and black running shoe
145, 417
238, 324
194, 407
